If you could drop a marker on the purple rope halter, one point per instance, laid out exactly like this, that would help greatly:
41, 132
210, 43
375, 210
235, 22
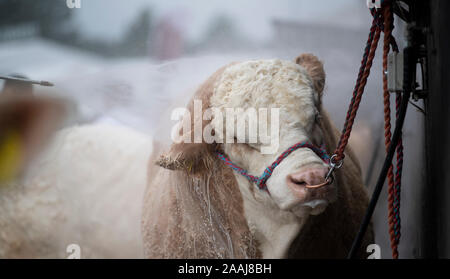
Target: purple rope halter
260, 181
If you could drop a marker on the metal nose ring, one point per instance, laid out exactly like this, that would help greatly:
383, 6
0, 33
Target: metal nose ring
328, 181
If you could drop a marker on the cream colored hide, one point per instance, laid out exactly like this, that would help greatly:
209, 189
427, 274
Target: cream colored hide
86, 189
196, 206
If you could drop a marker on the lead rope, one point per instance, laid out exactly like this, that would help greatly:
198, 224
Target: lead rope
393, 182
382, 22
338, 156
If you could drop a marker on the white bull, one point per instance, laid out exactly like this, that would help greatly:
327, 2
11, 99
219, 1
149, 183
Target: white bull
196, 206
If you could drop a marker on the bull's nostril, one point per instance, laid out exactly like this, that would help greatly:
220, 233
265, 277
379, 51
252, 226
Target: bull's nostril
297, 182
308, 178
300, 183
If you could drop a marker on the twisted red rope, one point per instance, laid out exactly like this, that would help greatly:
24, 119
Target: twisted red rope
394, 182
361, 82
392, 197
382, 21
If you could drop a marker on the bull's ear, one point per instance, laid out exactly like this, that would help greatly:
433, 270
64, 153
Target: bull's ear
26, 123
315, 70
188, 153
190, 157
193, 155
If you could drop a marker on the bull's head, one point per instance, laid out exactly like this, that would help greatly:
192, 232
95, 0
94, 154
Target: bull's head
293, 88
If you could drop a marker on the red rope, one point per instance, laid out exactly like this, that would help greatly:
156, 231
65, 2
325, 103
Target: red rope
392, 197
382, 21
357, 95
360, 74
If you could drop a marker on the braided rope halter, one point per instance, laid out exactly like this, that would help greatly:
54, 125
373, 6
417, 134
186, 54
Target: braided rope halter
261, 180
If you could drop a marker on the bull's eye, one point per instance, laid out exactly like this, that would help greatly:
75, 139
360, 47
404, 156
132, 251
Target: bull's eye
317, 118
317, 129
254, 146
317, 134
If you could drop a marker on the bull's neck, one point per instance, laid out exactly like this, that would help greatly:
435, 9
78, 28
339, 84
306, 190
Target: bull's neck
274, 229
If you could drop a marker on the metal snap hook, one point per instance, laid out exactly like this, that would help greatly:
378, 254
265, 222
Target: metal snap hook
333, 165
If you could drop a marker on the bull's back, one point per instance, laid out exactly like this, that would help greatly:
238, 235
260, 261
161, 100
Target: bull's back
85, 189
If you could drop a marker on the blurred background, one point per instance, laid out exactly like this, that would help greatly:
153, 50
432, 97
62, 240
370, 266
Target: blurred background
129, 62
